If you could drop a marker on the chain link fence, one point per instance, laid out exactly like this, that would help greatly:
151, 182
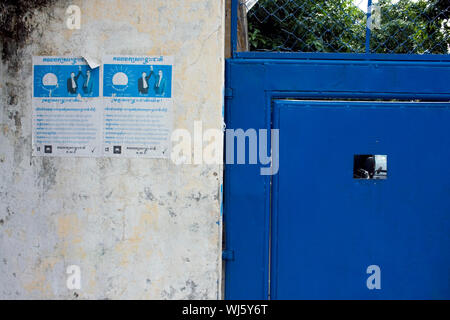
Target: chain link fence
348, 26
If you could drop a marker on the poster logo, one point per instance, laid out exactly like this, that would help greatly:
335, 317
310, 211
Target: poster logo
137, 81
65, 81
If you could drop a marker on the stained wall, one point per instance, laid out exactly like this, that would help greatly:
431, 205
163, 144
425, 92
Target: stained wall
137, 228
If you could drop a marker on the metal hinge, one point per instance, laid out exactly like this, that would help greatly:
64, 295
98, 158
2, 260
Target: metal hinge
228, 93
228, 255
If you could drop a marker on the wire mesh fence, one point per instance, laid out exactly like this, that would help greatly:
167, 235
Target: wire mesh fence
348, 26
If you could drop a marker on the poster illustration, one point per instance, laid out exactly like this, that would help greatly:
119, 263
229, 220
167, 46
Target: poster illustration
67, 108
138, 105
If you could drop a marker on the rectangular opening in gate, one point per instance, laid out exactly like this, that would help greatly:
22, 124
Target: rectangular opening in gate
370, 166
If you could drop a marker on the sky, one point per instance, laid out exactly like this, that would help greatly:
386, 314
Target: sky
362, 4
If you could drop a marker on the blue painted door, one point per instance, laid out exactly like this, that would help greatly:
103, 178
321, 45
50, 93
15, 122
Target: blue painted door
312, 231
328, 228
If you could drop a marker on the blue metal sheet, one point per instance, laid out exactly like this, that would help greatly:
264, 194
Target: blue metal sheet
247, 196
328, 227
255, 83
341, 56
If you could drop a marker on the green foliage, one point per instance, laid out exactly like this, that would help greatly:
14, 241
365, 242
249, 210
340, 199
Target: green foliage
409, 26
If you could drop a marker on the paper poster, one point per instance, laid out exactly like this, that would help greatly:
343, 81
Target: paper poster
123, 109
67, 107
138, 106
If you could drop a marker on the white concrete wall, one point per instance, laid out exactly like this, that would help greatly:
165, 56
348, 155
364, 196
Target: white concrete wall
140, 229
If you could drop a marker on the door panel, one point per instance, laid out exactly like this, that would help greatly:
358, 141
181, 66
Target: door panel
328, 228
250, 210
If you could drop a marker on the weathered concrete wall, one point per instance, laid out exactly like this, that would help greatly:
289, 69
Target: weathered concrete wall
144, 229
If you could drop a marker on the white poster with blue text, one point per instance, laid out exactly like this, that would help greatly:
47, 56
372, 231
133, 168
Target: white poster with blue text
138, 104
67, 108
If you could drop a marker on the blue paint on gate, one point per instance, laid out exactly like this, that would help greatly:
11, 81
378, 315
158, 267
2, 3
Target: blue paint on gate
328, 227
321, 228
311, 231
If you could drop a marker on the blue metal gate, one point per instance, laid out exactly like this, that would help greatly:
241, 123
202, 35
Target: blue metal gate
314, 230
